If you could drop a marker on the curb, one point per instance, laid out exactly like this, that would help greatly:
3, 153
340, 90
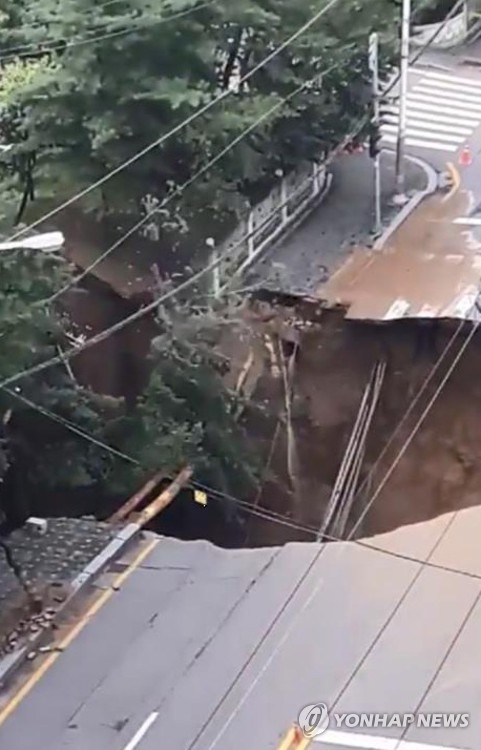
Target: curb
412, 204
12, 662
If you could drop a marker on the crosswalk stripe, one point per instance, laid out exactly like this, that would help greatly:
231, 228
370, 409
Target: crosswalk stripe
428, 124
442, 111
461, 117
445, 86
465, 106
452, 79
422, 144
447, 95
424, 116
450, 138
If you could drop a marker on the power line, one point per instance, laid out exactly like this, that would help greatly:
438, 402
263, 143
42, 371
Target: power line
70, 426
270, 515
102, 335
189, 282
251, 508
180, 126
309, 599
409, 411
306, 603
59, 45
415, 429
443, 661
207, 167
392, 614
294, 591
181, 188
210, 267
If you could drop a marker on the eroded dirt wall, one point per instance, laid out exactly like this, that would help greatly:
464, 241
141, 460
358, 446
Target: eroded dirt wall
441, 469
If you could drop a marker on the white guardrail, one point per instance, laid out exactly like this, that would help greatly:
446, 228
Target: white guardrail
269, 220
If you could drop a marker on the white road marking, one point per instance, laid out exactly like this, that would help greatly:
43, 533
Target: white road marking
374, 742
468, 221
439, 118
443, 111
461, 115
142, 731
427, 125
458, 80
465, 106
427, 132
430, 90
421, 143
445, 86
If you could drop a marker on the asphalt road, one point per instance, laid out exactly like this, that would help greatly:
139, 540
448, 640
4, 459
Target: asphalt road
443, 117
444, 110
343, 220
205, 649
202, 648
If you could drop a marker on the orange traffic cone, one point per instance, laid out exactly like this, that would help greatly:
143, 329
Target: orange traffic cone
465, 157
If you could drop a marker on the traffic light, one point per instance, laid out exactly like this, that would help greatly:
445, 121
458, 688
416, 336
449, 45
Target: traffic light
374, 141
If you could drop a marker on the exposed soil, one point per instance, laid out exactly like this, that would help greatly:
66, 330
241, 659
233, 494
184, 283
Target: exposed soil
440, 469
438, 472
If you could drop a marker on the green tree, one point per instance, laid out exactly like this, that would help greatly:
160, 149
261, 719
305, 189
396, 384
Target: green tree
39, 452
146, 73
185, 415
84, 87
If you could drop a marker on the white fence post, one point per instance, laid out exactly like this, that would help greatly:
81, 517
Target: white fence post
250, 238
215, 274
285, 208
315, 179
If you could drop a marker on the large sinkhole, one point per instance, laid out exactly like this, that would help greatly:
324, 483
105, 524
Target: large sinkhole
415, 456
360, 428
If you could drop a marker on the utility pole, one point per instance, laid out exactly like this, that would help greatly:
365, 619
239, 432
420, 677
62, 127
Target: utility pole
404, 66
374, 68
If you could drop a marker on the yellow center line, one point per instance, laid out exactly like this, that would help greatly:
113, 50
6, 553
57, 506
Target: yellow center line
74, 632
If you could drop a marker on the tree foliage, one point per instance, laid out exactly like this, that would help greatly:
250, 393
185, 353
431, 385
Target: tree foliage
84, 87
93, 84
185, 415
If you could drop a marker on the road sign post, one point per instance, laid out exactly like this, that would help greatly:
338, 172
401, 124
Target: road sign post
374, 68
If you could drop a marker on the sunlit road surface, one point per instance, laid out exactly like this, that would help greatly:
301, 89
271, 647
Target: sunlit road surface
430, 267
351, 740
210, 649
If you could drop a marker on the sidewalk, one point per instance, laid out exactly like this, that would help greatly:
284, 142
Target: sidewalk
344, 220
